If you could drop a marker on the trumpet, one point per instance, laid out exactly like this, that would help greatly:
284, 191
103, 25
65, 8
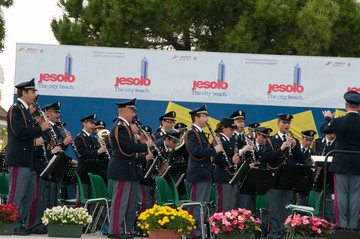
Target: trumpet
288, 135
100, 136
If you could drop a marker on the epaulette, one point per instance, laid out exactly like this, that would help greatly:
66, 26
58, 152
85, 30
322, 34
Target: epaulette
276, 136
197, 130
223, 138
161, 133
83, 133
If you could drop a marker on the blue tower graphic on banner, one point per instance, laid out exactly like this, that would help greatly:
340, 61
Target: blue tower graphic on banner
297, 74
144, 68
221, 71
68, 64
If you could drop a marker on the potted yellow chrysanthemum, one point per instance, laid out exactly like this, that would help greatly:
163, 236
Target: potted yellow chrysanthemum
161, 220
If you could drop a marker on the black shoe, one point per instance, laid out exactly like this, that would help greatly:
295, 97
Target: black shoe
118, 236
42, 230
21, 231
340, 229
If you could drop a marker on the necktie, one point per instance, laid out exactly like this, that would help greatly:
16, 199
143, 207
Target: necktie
303, 150
260, 148
284, 138
329, 144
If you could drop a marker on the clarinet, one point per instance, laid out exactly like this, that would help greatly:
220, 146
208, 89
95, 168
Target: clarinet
50, 131
218, 142
67, 135
254, 160
46, 160
288, 136
154, 163
236, 148
317, 173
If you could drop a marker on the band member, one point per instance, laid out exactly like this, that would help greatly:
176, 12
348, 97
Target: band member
167, 123
41, 200
180, 150
92, 153
199, 172
122, 169
225, 192
262, 134
281, 149
307, 139
240, 136
20, 152
244, 146
346, 167
322, 146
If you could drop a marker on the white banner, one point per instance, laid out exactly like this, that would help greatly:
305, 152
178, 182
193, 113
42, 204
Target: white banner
252, 79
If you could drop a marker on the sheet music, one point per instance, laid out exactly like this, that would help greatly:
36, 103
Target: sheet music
321, 158
48, 166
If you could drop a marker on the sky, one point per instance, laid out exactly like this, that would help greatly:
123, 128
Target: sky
26, 21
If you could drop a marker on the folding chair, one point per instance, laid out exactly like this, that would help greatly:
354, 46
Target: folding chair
101, 198
4, 188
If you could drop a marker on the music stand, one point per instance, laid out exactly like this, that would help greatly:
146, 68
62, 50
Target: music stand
56, 168
294, 177
329, 175
175, 169
257, 182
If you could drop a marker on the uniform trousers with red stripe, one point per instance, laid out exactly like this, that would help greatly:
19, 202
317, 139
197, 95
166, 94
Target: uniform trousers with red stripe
225, 197
22, 182
347, 200
123, 208
199, 192
41, 201
146, 194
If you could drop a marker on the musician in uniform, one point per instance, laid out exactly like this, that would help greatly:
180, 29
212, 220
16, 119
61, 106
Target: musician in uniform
20, 152
181, 149
244, 146
322, 146
92, 153
262, 134
199, 172
276, 153
307, 139
41, 200
346, 167
167, 123
122, 169
224, 171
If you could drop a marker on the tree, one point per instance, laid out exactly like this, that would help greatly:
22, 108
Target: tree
315, 27
5, 3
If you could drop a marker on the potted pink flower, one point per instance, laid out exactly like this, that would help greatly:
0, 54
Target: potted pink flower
235, 224
305, 226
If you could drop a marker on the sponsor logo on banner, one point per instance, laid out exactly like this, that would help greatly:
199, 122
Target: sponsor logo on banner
220, 84
337, 64
143, 80
66, 77
353, 89
29, 50
295, 87
183, 58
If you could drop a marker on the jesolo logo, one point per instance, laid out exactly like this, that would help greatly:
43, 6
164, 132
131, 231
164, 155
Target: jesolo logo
296, 87
143, 80
66, 77
219, 84
353, 89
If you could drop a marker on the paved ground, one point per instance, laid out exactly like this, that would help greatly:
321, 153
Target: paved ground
87, 236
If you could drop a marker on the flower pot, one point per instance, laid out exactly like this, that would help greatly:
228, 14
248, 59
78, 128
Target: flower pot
7, 228
164, 234
58, 230
236, 235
